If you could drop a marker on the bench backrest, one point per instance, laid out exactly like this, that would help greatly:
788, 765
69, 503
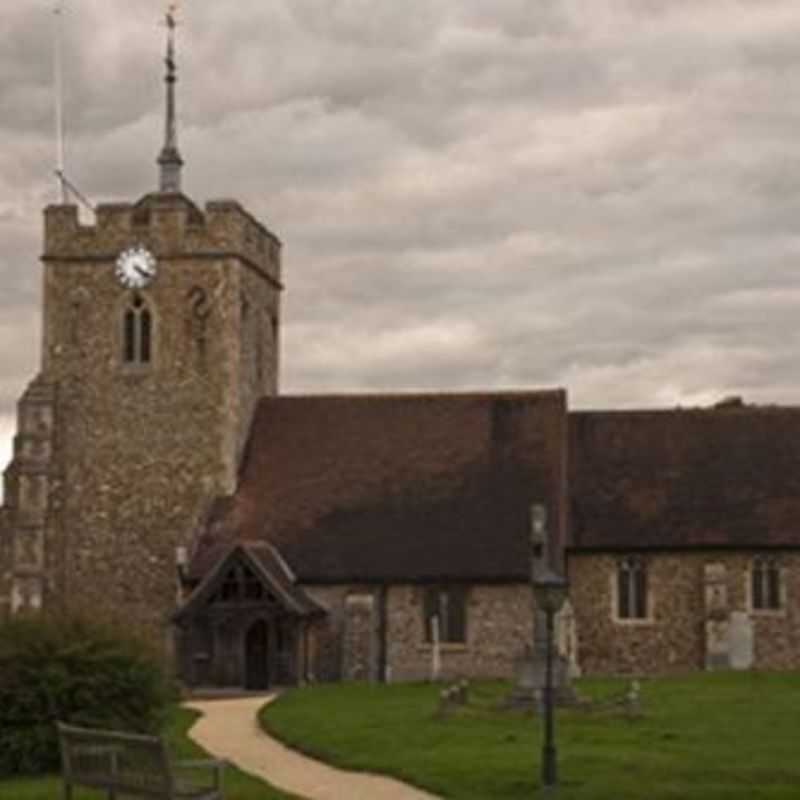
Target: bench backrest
111, 760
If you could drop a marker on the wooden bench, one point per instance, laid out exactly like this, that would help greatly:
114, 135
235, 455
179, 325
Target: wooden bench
131, 765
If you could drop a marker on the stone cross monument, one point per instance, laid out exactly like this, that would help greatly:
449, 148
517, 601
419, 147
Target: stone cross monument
530, 666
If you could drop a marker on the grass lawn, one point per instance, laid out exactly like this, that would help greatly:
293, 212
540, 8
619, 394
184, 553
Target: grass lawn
705, 736
238, 785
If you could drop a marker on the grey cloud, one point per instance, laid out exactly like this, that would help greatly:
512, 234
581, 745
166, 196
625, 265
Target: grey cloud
383, 25
597, 195
19, 337
7, 426
517, 18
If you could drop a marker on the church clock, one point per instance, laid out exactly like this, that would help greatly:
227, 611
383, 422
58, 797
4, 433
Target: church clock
136, 267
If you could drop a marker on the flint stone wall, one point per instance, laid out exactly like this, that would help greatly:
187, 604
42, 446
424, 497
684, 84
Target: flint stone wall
138, 451
673, 638
327, 634
5, 565
499, 625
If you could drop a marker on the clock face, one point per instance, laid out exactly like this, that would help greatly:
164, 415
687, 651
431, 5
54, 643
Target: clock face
136, 267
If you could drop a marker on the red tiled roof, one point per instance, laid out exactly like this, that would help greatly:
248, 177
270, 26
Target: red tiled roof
399, 487
725, 477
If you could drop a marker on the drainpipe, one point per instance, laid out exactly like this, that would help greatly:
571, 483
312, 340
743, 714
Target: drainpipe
383, 625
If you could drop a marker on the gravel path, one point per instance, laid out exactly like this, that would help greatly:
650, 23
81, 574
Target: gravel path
229, 729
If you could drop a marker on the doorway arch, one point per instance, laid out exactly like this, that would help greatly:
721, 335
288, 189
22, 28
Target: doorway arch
256, 656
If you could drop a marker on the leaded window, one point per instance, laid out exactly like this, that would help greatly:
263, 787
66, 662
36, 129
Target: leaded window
137, 332
765, 584
448, 605
632, 600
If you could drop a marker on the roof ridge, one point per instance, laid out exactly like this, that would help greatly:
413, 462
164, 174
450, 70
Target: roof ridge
411, 394
678, 410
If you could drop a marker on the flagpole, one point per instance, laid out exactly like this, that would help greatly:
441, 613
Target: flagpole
59, 99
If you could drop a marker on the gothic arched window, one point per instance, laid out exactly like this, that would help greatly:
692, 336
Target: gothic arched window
137, 332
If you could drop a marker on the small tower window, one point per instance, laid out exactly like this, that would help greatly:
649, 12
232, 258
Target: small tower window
137, 333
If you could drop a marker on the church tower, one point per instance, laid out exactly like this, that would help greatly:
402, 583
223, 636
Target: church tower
161, 325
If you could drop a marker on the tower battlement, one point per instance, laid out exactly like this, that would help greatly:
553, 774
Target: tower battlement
170, 225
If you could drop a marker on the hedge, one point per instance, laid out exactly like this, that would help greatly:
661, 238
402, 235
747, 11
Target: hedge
76, 671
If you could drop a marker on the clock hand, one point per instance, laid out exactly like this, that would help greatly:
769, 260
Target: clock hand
143, 271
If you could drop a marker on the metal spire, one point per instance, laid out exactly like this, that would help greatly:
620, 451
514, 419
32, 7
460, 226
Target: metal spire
169, 160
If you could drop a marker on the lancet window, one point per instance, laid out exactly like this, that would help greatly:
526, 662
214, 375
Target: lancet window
632, 600
137, 332
765, 584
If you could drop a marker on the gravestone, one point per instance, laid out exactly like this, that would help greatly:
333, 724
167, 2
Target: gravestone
741, 637
360, 646
567, 639
717, 614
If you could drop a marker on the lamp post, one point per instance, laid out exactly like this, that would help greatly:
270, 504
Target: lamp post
550, 591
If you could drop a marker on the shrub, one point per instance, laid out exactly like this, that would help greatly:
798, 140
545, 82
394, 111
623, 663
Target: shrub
74, 671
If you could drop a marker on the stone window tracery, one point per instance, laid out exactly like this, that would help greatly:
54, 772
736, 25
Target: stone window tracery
765, 584
632, 600
448, 605
137, 332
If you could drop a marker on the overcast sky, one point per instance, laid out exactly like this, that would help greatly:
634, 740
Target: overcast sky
602, 195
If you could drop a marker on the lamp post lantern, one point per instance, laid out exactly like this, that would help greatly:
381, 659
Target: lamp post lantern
538, 519
550, 591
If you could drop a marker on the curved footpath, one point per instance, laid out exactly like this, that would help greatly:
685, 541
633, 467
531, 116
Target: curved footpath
229, 729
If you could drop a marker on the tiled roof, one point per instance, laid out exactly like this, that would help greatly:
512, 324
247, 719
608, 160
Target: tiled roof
398, 487
726, 477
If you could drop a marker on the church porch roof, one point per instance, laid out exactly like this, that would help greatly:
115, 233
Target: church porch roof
270, 568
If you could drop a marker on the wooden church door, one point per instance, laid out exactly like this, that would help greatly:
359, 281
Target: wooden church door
256, 656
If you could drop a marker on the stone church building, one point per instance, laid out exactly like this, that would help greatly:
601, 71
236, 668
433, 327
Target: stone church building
159, 477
